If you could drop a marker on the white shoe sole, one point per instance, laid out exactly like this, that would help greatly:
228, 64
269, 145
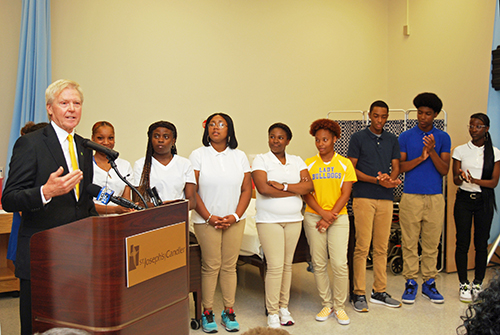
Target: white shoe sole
375, 301
465, 299
432, 300
342, 322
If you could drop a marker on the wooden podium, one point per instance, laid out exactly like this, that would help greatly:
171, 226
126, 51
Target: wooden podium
79, 277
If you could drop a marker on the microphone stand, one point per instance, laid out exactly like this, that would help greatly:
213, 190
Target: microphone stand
113, 165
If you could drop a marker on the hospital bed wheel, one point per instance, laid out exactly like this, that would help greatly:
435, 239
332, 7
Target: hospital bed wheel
195, 324
396, 265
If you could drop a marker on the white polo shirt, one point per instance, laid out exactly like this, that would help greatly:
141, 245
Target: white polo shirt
287, 209
169, 180
220, 179
111, 180
472, 158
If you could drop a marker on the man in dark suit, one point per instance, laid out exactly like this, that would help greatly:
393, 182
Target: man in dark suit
49, 172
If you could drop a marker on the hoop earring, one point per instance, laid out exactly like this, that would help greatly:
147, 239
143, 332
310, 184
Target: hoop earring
173, 149
208, 138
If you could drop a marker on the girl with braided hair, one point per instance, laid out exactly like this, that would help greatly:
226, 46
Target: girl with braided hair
172, 175
476, 169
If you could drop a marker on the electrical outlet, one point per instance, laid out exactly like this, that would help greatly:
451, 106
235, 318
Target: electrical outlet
406, 30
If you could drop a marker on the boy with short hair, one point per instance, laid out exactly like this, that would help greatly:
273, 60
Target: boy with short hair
425, 158
375, 156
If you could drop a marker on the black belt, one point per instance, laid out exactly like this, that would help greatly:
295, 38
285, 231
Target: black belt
472, 195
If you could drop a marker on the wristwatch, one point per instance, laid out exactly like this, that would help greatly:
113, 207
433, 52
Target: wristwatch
285, 187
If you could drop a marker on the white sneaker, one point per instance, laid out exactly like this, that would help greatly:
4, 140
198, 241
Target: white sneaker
273, 321
341, 317
475, 290
465, 293
324, 314
286, 318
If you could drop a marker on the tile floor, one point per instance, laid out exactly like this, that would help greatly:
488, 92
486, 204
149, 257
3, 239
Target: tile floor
423, 317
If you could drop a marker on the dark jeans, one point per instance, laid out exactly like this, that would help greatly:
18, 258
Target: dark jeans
468, 206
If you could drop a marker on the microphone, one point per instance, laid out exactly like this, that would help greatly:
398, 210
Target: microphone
110, 153
104, 196
155, 197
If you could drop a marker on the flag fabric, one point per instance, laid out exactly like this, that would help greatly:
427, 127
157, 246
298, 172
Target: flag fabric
33, 68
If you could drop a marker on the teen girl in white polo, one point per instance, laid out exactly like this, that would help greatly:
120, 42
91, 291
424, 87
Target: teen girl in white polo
476, 170
280, 179
224, 191
103, 133
172, 175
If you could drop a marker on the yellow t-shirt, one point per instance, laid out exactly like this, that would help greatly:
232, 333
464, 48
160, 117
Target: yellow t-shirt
328, 179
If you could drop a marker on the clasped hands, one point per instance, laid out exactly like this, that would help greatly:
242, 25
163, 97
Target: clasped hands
327, 219
429, 145
386, 181
467, 177
219, 222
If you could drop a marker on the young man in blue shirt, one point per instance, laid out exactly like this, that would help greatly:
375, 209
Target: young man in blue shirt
375, 156
425, 158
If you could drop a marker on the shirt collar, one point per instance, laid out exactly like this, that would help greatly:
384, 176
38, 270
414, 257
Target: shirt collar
215, 152
372, 135
276, 160
474, 147
334, 155
420, 131
62, 134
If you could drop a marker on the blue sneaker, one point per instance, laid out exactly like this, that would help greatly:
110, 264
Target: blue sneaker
208, 323
229, 320
430, 292
410, 293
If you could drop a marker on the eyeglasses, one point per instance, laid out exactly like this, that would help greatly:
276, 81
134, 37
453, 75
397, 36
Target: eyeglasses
479, 127
220, 125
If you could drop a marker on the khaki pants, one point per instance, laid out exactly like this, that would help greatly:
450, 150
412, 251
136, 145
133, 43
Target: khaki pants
219, 254
421, 215
332, 243
372, 219
278, 242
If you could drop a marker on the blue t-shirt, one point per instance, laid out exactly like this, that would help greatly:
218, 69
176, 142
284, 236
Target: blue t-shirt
374, 153
424, 178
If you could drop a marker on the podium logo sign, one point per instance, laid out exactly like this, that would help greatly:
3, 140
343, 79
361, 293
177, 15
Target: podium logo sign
155, 252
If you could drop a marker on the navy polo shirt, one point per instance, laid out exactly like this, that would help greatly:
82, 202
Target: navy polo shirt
423, 178
374, 153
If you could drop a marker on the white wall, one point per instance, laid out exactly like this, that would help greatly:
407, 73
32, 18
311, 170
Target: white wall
448, 52
258, 61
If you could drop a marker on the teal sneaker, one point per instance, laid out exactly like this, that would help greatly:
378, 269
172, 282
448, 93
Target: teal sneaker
208, 323
229, 320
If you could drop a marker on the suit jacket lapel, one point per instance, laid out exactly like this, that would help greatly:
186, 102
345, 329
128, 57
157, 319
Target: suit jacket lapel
54, 147
79, 151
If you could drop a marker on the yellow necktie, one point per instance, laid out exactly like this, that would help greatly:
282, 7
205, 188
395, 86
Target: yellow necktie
74, 163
